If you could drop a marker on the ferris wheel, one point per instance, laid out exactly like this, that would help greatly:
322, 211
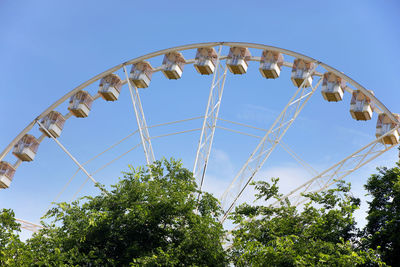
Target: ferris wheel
215, 60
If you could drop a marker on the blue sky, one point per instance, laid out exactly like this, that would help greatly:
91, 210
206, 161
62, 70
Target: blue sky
49, 47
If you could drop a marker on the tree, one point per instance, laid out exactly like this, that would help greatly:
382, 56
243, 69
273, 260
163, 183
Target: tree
323, 233
383, 227
10, 244
152, 217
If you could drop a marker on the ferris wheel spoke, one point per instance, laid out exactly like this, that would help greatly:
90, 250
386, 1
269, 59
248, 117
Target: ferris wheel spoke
71, 156
210, 121
290, 151
102, 167
84, 164
125, 153
303, 163
29, 226
267, 145
339, 170
141, 121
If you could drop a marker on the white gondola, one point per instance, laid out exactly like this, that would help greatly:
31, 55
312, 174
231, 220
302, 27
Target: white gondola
53, 123
270, 64
26, 148
384, 125
80, 104
206, 60
237, 60
301, 73
110, 87
173, 64
141, 74
332, 87
7, 172
361, 106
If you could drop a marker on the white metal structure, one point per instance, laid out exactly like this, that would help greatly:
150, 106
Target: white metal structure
266, 146
69, 154
268, 142
141, 121
210, 121
341, 169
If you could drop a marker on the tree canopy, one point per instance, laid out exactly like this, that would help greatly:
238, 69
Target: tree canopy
322, 233
383, 228
150, 218
10, 244
154, 217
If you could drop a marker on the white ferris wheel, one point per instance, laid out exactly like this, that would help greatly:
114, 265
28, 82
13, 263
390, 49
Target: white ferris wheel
215, 60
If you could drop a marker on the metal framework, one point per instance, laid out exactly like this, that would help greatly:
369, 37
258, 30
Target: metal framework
210, 121
267, 145
304, 164
339, 170
336, 172
72, 157
141, 121
118, 157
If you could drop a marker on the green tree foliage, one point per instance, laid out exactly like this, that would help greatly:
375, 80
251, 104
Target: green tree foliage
323, 233
152, 217
10, 244
383, 227
146, 220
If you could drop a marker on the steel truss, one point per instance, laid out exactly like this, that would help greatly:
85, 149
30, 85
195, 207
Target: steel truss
260, 154
339, 170
141, 121
267, 144
336, 172
210, 121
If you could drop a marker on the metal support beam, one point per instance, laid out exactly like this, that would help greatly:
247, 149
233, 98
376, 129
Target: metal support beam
335, 173
210, 121
265, 147
29, 226
72, 157
305, 165
141, 121
339, 170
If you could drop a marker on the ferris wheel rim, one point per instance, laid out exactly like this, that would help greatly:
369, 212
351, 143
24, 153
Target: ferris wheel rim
381, 107
97, 77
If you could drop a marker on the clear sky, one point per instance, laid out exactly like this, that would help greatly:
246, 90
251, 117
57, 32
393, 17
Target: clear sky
49, 47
